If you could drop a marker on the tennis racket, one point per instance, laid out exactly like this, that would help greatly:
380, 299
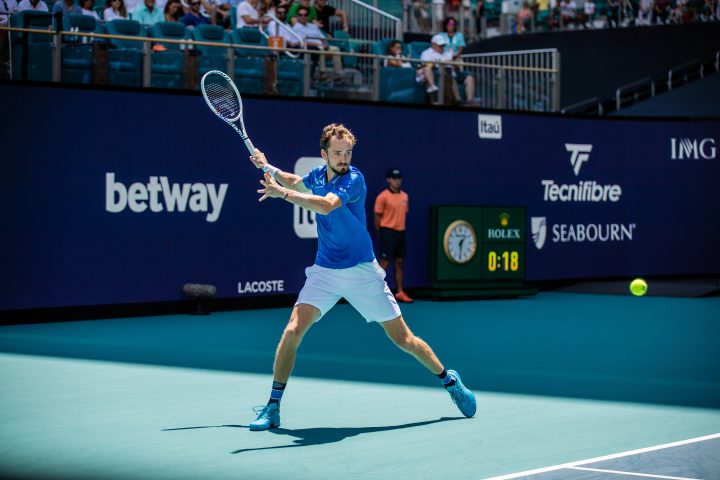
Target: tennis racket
224, 100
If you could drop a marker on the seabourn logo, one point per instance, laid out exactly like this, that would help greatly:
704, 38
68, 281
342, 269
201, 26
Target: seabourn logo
580, 232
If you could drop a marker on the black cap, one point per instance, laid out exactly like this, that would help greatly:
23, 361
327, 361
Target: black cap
394, 173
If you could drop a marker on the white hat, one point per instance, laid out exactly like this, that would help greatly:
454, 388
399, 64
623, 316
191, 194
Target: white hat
438, 39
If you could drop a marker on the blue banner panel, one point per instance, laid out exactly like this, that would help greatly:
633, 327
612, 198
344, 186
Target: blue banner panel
122, 197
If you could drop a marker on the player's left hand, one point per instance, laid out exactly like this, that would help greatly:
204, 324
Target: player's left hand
271, 188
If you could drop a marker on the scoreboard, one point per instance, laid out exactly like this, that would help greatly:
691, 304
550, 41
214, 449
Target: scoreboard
477, 248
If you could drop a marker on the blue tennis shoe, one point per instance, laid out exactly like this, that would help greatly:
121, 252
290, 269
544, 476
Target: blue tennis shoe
463, 398
269, 417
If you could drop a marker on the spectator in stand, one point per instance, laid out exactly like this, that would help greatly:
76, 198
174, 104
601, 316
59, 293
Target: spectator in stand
115, 10
147, 13
661, 11
173, 11
34, 5
588, 13
707, 13
279, 28
567, 13
454, 40
7, 9
395, 50
315, 40
325, 12
266, 6
87, 9
292, 12
436, 53
194, 18
218, 11
247, 14
644, 12
524, 17
613, 14
66, 7
479, 14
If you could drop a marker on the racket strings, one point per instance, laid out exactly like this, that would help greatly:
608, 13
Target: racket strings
223, 98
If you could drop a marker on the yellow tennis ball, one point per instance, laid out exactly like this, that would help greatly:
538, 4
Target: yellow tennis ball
638, 287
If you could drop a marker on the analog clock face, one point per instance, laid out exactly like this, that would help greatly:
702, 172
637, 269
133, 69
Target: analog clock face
460, 242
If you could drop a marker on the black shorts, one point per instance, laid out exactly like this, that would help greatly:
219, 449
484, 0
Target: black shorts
392, 243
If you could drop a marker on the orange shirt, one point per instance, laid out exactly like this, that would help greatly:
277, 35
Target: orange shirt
393, 207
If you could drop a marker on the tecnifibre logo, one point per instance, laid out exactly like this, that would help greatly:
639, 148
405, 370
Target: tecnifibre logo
692, 149
583, 191
159, 195
579, 154
490, 126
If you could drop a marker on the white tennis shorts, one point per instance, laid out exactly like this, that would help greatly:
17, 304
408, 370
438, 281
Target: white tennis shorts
363, 286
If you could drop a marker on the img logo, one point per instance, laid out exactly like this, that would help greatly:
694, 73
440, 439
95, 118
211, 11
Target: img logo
579, 154
692, 149
490, 126
304, 220
538, 227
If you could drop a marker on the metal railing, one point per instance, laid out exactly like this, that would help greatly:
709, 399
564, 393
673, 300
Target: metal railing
520, 80
591, 106
367, 23
685, 72
632, 92
508, 80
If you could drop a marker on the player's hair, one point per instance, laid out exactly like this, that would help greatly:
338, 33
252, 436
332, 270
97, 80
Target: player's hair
337, 130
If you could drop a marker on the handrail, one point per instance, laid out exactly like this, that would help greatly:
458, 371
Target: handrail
685, 69
191, 42
634, 89
584, 107
287, 28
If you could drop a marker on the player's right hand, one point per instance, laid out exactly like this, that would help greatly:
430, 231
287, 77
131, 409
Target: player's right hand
258, 159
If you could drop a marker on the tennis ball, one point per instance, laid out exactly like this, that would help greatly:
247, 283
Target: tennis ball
638, 287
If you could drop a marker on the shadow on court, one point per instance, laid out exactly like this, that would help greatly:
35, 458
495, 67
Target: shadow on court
306, 437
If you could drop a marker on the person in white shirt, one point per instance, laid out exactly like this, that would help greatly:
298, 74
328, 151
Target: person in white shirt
279, 28
7, 8
247, 14
436, 53
115, 10
35, 5
87, 9
315, 40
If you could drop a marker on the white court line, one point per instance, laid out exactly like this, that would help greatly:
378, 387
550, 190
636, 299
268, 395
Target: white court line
606, 457
647, 475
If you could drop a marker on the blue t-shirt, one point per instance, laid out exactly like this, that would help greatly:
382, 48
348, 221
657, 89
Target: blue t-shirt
343, 238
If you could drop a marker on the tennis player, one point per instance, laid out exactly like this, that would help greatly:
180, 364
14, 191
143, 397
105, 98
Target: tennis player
345, 266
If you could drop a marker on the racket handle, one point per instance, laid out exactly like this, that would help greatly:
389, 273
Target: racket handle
249, 146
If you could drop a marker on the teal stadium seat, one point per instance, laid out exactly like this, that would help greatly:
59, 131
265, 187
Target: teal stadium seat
249, 63
415, 49
36, 46
341, 39
125, 56
399, 85
211, 58
167, 67
290, 76
77, 51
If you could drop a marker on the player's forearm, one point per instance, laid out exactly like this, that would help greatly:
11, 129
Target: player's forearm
289, 180
308, 201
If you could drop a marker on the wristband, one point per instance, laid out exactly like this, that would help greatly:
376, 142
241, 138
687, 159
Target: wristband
269, 168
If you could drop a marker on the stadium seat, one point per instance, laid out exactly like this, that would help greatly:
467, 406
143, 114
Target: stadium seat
249, 63
399, 85
125, 56
381, 46
416, 48
211, 58
77, 53
341, 39
290, 76
167, 66
39, 46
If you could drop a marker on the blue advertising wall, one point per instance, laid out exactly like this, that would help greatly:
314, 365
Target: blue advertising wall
93, 184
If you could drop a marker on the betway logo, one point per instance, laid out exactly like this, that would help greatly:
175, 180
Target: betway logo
682, 148
160, 195
583, 191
